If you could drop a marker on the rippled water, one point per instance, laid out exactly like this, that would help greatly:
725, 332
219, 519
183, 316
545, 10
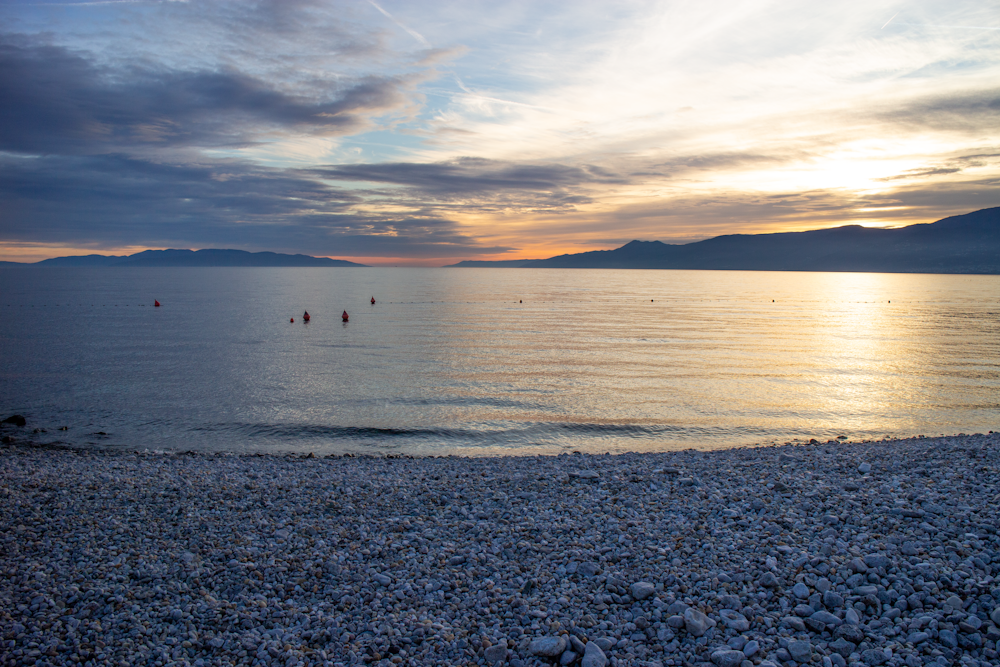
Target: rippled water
487, 361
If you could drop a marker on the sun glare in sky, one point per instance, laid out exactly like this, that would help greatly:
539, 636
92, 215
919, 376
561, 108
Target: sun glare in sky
428, 133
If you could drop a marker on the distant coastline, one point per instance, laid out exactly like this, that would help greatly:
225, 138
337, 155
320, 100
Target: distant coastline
964, 244
207, 258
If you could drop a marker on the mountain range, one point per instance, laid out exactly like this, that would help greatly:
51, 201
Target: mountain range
207, 257
967, 243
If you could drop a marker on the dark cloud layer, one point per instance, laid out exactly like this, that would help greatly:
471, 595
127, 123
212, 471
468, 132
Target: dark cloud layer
114, 200
55, 101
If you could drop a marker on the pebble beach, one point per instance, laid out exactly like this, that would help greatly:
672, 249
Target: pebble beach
832, 554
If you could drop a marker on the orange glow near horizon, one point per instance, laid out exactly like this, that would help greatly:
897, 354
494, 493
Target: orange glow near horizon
525, 248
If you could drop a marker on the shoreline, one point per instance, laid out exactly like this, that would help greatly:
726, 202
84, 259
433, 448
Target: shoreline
881, 552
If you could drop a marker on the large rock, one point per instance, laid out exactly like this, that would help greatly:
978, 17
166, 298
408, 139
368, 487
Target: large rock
878, 561
728, 658
826, 618
735, 620
593, 656
641, 590
851, 633
548, 647
16, 420
800, 650
768, 580
696, 622
495, 654
833, 600
842, 646
874, 657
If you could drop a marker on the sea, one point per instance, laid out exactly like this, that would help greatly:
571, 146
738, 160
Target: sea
488, 361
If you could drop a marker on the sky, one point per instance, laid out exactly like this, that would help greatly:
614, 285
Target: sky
425, 133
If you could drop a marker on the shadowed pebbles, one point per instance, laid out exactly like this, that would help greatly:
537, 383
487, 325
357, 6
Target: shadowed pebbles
879, 553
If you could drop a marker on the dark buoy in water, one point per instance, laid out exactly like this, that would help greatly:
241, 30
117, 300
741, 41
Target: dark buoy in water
344, 316
291, 319
156, 304
373, 301
305, 316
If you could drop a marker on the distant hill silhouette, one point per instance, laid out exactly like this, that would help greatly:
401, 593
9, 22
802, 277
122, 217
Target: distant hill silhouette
208, 257
503, 263
967, 243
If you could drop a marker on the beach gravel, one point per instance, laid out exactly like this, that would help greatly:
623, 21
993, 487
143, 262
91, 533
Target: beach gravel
832, 554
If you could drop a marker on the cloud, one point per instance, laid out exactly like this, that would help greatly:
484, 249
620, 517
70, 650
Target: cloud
56, 101
117, 200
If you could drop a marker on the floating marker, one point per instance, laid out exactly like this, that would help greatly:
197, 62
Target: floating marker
373, 301
344, 316
156, 304
292, 319
305, 316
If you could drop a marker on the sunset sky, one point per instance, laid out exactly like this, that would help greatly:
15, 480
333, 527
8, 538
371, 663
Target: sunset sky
424, 133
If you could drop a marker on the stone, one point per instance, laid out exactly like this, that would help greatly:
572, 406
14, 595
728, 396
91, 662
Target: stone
948, 638
548, 647
605, 643
878, 561
751, 648
833, 600
826, 618
737, 643
795, 623
696, 622
874, 657
917, 637
728, 658
857, 565
804, 610
768, 580
676, 621
730, 602
16, 420
851, 633
594, 656
495, 654
842, 646
995, 616
800, 650
734, 620
588, 569
568, 657
382, 579
642, 590
800, 590
864, 468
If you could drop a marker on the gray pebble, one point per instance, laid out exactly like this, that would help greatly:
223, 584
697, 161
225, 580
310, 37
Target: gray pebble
800, 650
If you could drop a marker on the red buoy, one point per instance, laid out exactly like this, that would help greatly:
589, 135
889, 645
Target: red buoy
156, 304
292, 319
305, 316
344, 316
373, 301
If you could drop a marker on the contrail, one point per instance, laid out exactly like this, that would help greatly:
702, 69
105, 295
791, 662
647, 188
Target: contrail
413, 33
960, 27
889, 21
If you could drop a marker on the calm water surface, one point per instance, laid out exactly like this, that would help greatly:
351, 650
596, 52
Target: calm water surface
488, 361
